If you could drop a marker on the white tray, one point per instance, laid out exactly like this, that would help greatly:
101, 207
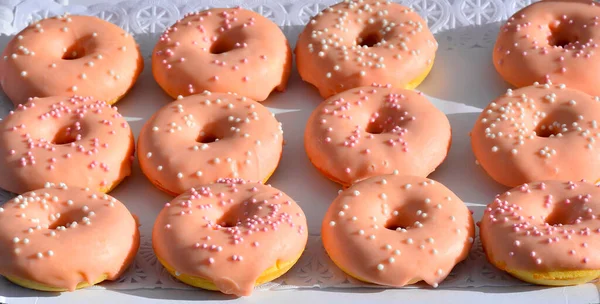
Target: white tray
461, 83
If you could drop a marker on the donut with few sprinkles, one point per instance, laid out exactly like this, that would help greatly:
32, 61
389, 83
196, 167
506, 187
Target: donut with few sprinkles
545, 232
376, 130
359, 42
222, 50
62, 238
70, 55
554, 40
540, 132
198, 139
396, 230
79, 141
230, 235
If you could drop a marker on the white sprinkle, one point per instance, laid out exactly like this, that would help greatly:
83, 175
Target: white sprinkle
380, 267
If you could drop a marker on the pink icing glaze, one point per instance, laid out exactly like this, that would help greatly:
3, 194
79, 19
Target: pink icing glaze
356, 43
59, 237
370, 131
78, 141
67, 55
229, 232
551, 40
222, 50
544, 226
537, 133
198, 139
396, 230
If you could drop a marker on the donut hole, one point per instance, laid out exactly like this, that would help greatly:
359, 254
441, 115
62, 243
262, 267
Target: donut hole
207, 138
385, 123
402, 221
547, 130
555, 124
67, 218
557, 218
369, 38
64, 136
374, 128
562, 35
222, 45
73, 52
566, 214
230, 218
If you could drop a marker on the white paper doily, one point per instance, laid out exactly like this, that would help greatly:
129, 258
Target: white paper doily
465, 30
148, 16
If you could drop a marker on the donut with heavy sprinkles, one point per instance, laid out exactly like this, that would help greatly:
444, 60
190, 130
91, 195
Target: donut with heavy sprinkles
360, 42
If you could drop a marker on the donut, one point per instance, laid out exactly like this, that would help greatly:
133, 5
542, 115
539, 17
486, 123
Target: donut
551, 41
545, 233
360, 42
70, 55
230, 235
61, 238
200, 138
540, 132
222, 50
79, 141
376, 130
396, 230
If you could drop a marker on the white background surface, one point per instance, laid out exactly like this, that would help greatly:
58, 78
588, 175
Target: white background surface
461, 83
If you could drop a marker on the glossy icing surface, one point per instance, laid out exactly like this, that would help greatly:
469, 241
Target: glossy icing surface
78, 141
70, 55
201, 138
222, 50
357, 43
540, 132
551, 41
396, 230
376, 130
544, 226
59, 236
229, 232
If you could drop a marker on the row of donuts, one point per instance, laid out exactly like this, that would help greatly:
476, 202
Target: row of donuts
541, 138
342, 109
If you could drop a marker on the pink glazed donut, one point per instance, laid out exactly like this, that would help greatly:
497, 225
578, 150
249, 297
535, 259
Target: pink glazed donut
539, 132
79, 141
396, 230
376, 130
70, 55
61, 238
552, 40
230, 235
199, 139
228, 50
359, 42
545, 233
